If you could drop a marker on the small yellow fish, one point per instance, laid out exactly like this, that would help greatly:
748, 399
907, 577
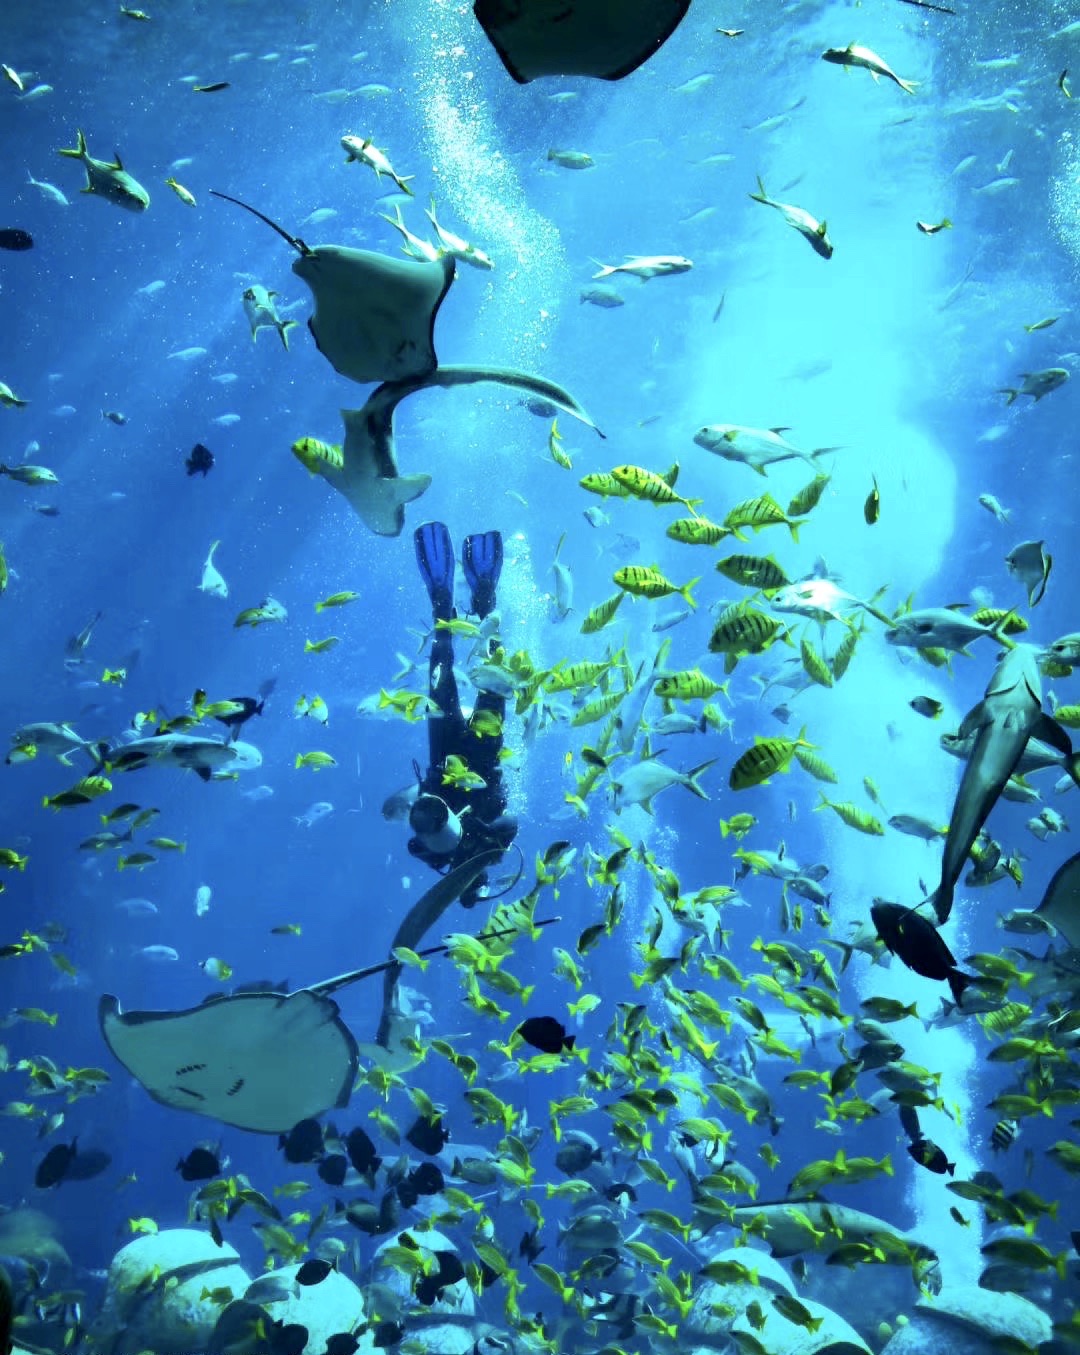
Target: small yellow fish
315, 760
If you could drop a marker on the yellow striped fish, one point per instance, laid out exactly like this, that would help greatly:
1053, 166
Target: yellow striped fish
601, 614
317, 456
645, 581
646, 484
600, 482
764, 759
758, 513
753, 571
687, 685
697, 532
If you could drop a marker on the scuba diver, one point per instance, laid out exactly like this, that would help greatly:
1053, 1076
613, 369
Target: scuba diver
452, 823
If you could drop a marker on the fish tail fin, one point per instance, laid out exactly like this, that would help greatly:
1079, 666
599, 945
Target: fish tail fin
1010, 392
793, 528
692, 782
908, 86
78, 151
686, 592
761, 195
283, 330
402, 182
958, 982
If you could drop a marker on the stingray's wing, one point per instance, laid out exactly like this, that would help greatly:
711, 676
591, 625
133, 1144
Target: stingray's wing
1061, 902
374, 317
603, 38
260, 1061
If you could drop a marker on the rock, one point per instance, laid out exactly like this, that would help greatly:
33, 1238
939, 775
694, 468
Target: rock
779, 1336
967, 1320
325, 1309
139, 1313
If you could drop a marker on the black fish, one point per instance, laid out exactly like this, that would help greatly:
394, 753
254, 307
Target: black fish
426, 1179
342, 1343
286, 1339
385, 1334
930, 1156
303, 1142
200, 1165
917, 943
546, 1034
215, 88
16, 239
87, 1165
362, 1152
372, 1219
201, 460
431, 1286
529, 1246
428, 1136
313, 1272
55, 1165
234, 722
332, 1169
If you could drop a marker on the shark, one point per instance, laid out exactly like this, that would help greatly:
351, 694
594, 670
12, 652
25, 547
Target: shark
1009, 714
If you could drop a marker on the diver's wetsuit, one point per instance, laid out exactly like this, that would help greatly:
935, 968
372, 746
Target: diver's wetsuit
482, 812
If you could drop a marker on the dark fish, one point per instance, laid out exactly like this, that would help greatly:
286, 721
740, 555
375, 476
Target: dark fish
872, 506
332, 1169
546, 1034
450, 1271
47, 510
362, 1152
918, 944
374, 1219
200, 1165
530, 1246
55, 1165
1004, 1135
385, 1334
428, 1136
342, 1343
313, 1272
235, 722
285, 1339
201, 461
16, 239
85, 1166
215, 88
930, 1156
303, 1142
426, 1179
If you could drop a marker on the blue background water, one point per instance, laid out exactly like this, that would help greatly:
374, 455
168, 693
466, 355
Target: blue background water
906, 385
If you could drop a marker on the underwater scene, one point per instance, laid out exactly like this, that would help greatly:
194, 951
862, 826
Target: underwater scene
539, 605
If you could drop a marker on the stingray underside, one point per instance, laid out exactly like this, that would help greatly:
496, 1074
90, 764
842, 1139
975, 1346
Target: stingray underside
606, 39
259, 1061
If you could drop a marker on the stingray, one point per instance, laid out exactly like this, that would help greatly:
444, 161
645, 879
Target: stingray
261, 1061
374, 317
1061, 902
606, 39
369, 313
369, 477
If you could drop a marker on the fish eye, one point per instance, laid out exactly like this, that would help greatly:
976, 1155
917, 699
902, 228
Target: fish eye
923, 627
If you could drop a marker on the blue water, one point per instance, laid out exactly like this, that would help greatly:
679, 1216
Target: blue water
893, 351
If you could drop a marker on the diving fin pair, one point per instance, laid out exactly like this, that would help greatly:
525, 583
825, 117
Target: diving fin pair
482, 559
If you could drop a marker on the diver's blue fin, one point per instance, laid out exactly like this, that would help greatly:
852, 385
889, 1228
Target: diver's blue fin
435, 557
481, 560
